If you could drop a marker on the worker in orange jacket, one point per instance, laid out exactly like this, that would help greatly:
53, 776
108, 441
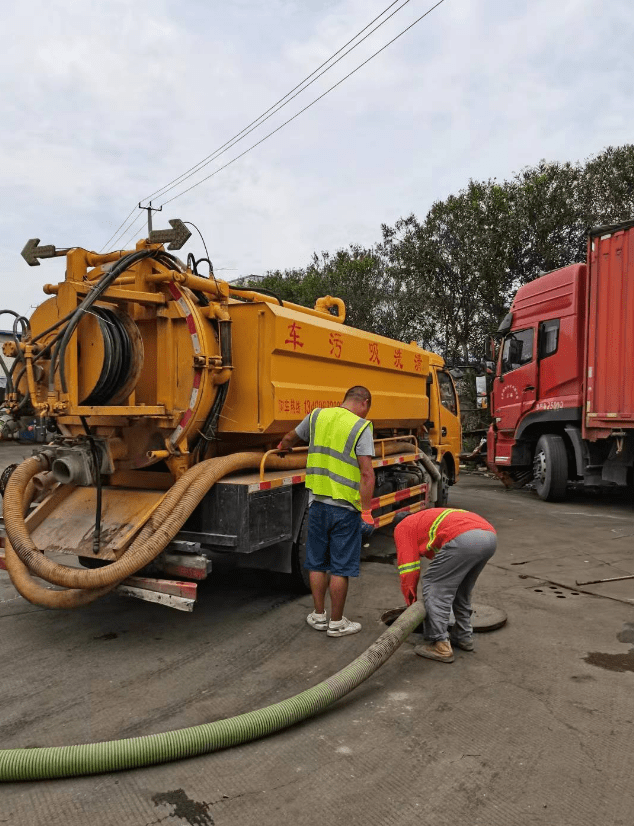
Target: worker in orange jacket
459, 544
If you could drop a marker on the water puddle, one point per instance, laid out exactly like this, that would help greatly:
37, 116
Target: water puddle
611, 662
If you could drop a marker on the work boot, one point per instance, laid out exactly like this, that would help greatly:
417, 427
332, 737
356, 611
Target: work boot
343, 627
318, 621
466, 644
440, 650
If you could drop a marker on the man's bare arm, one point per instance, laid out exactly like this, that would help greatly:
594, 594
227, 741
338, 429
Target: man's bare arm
367, 481
289, 441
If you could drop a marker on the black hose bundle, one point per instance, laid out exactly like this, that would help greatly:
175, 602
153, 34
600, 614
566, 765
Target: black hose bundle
58, 355
56, 348
117, 357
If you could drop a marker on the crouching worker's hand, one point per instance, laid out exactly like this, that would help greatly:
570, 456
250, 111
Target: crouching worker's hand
284, 450
366, 516
410, 595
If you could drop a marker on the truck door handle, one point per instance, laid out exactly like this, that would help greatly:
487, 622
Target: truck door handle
443, 431
528, 387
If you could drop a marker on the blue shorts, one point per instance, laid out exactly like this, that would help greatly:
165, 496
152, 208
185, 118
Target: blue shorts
334, 540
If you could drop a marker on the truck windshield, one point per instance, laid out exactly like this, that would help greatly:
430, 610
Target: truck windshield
518, 350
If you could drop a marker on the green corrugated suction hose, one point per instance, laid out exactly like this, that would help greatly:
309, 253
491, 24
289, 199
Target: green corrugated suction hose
94, 758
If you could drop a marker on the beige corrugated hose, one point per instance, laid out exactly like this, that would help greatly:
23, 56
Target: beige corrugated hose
25, 560
172, 513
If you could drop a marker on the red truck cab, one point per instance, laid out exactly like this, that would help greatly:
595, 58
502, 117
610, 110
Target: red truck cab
562, 401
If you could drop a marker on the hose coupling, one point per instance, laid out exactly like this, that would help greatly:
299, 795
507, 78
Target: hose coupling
75, 464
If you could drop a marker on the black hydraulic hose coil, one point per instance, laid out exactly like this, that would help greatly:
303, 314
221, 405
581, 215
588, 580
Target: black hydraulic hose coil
117, 361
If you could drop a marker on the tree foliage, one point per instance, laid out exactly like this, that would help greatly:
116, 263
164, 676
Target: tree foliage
447, 281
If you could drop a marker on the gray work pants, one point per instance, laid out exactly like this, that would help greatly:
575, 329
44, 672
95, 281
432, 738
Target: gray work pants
448, 583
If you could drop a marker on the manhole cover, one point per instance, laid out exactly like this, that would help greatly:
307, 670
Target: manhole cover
484, 618
487, 618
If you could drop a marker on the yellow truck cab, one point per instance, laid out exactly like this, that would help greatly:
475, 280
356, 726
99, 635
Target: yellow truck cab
445, 432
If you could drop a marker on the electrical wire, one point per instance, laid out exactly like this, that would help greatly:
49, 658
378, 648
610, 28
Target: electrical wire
191, 224
255, 123
137, 223
212, 274
276, 108
301, 111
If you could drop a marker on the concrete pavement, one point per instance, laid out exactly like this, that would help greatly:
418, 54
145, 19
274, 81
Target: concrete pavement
535, 727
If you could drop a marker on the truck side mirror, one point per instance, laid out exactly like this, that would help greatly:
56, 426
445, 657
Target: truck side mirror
506, 324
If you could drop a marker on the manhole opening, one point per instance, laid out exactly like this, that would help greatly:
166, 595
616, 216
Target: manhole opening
385, 560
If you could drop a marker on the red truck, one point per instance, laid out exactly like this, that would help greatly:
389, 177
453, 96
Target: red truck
562, 400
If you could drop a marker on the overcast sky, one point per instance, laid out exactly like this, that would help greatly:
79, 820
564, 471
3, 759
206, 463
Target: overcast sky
102, 103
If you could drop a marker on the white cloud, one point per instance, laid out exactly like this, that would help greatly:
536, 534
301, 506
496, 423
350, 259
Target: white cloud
107, 101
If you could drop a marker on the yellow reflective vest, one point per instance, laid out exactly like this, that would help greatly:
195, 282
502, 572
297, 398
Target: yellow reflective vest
332, 467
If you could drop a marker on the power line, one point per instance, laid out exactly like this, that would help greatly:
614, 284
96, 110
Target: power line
283, 101
297, 114
134, 225
276, 107
114, 237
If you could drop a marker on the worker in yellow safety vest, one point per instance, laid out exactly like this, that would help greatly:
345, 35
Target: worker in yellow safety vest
340, 480
459, 544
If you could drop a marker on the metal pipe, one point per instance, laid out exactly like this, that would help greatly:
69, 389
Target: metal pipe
611, 579
323, 305
194, 282
252, 295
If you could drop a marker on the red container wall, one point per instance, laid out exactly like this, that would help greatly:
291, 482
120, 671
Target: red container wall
609, 402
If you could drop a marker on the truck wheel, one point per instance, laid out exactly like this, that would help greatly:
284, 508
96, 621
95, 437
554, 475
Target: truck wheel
443, 486
550, 468
299, 574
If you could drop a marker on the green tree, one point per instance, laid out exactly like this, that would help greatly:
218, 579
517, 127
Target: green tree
455, 266
607, 186
549, 220
448, 280
359, 276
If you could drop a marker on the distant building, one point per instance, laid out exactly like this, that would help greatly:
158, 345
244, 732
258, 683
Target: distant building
244, 280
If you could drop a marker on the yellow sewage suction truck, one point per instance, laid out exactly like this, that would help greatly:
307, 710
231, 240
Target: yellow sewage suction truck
166, 392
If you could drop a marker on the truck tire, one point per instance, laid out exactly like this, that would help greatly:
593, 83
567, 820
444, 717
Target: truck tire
299, 574
550, 468
443, 486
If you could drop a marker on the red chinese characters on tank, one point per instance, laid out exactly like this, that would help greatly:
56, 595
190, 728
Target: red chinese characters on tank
294, 335
336, 344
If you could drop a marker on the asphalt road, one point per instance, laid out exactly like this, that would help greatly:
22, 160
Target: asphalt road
535, 727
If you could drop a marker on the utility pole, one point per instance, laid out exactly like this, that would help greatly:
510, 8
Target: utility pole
150, 209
